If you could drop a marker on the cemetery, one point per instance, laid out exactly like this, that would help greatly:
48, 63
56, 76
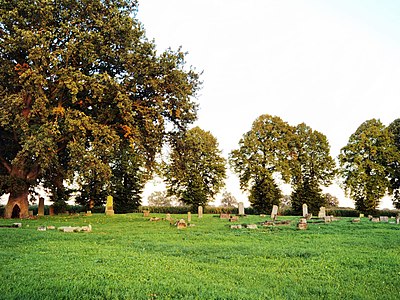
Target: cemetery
199, 256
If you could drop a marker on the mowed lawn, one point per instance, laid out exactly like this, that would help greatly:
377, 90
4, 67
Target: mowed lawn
129, 257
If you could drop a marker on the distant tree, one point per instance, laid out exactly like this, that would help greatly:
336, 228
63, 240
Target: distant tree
331, 201
363, 164
196, 170
78, 81
264, 152
286, 202
159, 198
393, 167
313, 167
228, 200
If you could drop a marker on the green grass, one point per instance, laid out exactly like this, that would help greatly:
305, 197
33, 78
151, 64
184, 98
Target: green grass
129, 257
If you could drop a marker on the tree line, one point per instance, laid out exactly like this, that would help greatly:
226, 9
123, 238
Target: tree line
88, 108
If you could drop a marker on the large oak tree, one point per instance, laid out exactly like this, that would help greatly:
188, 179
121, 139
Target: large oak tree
196, 170
364, 162
79, 83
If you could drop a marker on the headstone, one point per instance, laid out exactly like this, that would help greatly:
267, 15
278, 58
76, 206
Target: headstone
51, 227
322, 213
109, 206
200, 212
375, 220
18, 225
155, 219
361, 216
302, 225
181, 224
305, 210
370, 217
236, 226
356, 220
241, 209
168, 217
88, 213
251, 226
274, 212
30, 213
146, 213
51, 210
189, 217
309, 216
41, 207
224, 216
328, 219
41, 228
234, 219
384, 219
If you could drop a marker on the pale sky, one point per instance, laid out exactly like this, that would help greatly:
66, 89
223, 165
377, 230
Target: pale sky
332, 64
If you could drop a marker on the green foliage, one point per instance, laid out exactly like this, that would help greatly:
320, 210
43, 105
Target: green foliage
228, 200
263, 151
264, 194
313, 167
309, 193
79, 81
363, 164
112, 263
393, 167
196, 170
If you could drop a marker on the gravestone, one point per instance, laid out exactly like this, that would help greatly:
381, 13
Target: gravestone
181, 224
224, 216
146, 213
361, 216
30, 213
375, 220
302, 225
109, 206
236, 226
41, 207
200, 212
322, 213
189, 217
305, 210
234, 219
274, 212
241, 209
51, 210
251, 226
168, 217
384, 219
88, 213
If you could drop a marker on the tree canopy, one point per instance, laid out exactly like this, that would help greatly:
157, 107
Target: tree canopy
364, 162
313, 167
79, 83
263, 152
196, 169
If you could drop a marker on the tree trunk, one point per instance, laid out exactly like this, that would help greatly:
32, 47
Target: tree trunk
20, 199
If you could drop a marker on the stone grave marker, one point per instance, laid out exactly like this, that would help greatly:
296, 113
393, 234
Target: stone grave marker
224, 216
236, 226
146, 213
322, 213
41, 207
305, 210
274, 212
189, 217
251, 226
375, 220
109, 206
361, 216
384, 219
241, 209
200, 212
302, 225
181, 224
168, 217
234, 219
51, 210
30, 213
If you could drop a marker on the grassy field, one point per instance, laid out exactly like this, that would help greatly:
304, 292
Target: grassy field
129, 257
